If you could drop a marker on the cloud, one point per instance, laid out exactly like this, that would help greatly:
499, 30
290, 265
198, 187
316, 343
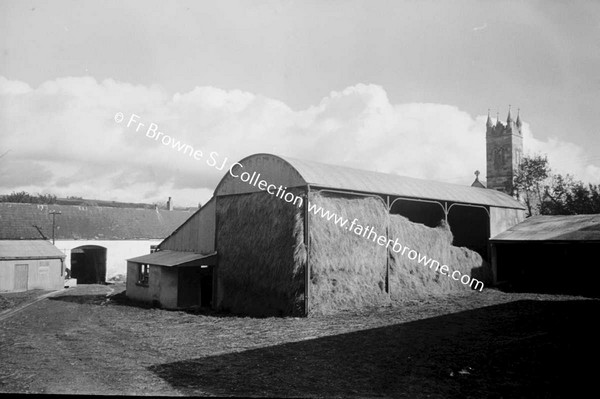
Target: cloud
63, 138
564, 157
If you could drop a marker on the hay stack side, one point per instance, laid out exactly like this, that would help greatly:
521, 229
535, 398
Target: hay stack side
411, 280
347, 271
260, 241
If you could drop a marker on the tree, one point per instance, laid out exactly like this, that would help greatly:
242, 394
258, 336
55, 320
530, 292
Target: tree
21, 196
529, 181
553, 194
25, 197
565, 196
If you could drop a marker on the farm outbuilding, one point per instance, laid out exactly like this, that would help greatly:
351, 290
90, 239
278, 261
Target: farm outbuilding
30, 264
276, 256
551, 254
179, 279
96, 240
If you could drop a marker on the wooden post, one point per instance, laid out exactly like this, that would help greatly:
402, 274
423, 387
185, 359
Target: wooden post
494, 265
307, 246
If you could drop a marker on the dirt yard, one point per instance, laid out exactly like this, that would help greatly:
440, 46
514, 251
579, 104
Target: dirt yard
13, 300
89, 339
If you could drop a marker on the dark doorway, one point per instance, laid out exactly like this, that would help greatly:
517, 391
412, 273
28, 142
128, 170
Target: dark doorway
88, 264
549, 267
427, 213
206, 288
470, 228
195, 286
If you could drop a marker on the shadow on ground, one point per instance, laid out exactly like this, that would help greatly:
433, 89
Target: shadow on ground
90, 294
519, 349
81, 299
551, 288
119, 298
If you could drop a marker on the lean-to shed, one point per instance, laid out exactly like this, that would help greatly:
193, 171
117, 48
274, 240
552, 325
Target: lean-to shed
172, 279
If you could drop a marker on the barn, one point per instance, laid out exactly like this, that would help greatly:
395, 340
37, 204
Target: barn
96, 240
30, 264
549, 254
274, 250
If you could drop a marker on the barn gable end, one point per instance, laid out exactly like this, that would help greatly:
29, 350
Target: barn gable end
260, 242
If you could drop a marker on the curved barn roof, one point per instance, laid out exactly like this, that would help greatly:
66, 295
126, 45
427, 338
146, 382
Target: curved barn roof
290, 172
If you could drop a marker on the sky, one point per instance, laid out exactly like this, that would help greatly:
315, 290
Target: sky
393, 86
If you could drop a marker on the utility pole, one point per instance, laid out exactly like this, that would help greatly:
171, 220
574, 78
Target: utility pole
53, 213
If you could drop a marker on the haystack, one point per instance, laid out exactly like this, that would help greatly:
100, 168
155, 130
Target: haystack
412, 280
260, 241
347, 270
262, 256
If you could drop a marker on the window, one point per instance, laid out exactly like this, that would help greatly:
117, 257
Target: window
143, 274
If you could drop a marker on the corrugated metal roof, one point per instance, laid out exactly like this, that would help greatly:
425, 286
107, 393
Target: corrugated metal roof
554, 228
28, 249
172, 258
18, 221
343, 178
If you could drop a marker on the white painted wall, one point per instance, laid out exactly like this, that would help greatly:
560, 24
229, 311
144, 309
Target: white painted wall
43, 274
117, 252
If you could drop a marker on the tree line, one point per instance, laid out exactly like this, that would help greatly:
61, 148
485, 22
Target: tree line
547, 193
25, 197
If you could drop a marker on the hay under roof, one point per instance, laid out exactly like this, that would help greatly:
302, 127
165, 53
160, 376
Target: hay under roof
553, 228
20, 221
292, 172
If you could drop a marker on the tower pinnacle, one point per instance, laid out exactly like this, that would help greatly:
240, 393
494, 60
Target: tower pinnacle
504, 146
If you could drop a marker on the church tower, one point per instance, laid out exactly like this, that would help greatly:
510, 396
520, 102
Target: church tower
504, 148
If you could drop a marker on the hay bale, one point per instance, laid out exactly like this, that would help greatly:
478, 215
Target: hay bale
347, 270
260, 241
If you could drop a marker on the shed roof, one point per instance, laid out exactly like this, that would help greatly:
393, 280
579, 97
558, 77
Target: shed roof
29, 249
291, 172
170, 258
18, 221
553, 228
